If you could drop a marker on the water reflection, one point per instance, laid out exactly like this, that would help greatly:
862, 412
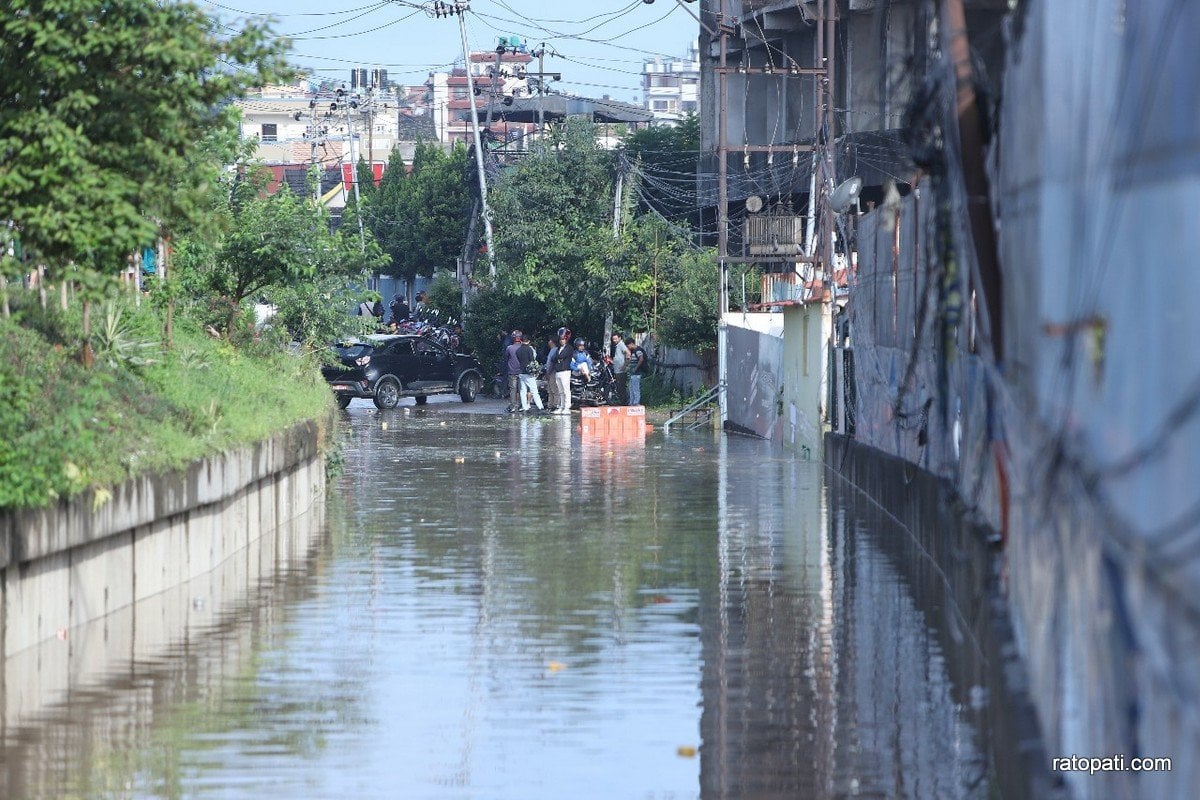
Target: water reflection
502, 610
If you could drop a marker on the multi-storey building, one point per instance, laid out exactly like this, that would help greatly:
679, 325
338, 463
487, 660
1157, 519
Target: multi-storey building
671, 86
305, 124
496, 74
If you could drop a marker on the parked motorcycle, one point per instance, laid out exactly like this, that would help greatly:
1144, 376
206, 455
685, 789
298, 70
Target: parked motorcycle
600, 390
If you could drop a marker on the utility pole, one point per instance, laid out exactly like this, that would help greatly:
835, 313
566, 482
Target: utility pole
362, 238
460, 8
723, 174
541, 57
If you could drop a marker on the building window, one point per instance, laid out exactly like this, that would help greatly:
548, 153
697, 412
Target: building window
691, 81
270, 132
664, 81
459, 93
663, 105
689, 105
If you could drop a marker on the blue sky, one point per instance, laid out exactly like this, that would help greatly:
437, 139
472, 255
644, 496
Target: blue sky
600, 43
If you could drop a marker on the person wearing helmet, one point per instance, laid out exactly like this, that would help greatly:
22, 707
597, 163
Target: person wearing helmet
581, 360
562, 374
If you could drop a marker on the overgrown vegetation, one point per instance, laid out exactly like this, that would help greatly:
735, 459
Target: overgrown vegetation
116, 135
67, 428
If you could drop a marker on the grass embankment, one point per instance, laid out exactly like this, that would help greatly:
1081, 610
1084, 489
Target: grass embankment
65, 428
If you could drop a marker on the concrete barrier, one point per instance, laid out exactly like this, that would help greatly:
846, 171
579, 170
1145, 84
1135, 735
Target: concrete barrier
613, 422
77, 578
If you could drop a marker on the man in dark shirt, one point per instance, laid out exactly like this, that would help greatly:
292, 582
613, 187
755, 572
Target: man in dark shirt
530, 367
637, 366
399, 309
514, 367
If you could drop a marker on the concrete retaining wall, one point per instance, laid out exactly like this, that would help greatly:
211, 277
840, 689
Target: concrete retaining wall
79, 577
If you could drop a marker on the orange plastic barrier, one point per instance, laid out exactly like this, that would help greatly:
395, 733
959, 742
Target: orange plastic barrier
614, 422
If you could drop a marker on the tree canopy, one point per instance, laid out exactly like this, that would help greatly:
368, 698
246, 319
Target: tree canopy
559, 260
101, 105
669, 157
270, 241
420, 218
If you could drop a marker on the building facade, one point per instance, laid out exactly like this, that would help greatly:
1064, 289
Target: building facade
496, 74
671, 86
306, 124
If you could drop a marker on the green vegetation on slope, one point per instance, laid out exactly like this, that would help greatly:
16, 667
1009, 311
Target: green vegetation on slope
65, 428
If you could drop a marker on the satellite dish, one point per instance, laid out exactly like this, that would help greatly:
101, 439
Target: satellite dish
841, 198
754, 204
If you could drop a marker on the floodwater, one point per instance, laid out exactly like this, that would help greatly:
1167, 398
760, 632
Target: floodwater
499, 609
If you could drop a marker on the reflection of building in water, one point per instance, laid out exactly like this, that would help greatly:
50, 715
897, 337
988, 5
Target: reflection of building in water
822, 677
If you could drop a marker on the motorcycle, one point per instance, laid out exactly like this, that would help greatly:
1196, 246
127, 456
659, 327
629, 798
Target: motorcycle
599, 390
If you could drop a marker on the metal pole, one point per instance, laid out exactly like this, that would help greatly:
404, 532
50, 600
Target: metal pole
723, 180
827, 244
362, 239
541, 84
487, 213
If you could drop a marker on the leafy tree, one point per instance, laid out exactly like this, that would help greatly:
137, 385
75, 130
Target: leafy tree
554, 238
420, 219
493, 312
687, 314
365, 177
670, 157
272, 241
101, 105
314, 312
444, 294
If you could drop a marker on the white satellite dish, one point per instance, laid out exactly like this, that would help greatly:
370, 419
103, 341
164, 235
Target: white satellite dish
841, 198
754, 204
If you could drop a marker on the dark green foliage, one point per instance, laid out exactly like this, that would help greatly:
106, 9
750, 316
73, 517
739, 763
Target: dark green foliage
365, 177
687, 313
444, 295
494, 312
101, 105
554, 237
420, 219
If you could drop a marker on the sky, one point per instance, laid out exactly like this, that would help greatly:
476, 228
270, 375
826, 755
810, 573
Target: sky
600, 44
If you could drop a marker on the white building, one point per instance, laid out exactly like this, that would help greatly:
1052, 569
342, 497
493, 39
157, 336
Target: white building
671, 86
300, 125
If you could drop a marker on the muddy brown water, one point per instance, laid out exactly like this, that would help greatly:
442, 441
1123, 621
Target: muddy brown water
495, 608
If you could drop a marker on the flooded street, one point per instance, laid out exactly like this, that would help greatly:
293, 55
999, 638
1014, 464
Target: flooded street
499, 609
